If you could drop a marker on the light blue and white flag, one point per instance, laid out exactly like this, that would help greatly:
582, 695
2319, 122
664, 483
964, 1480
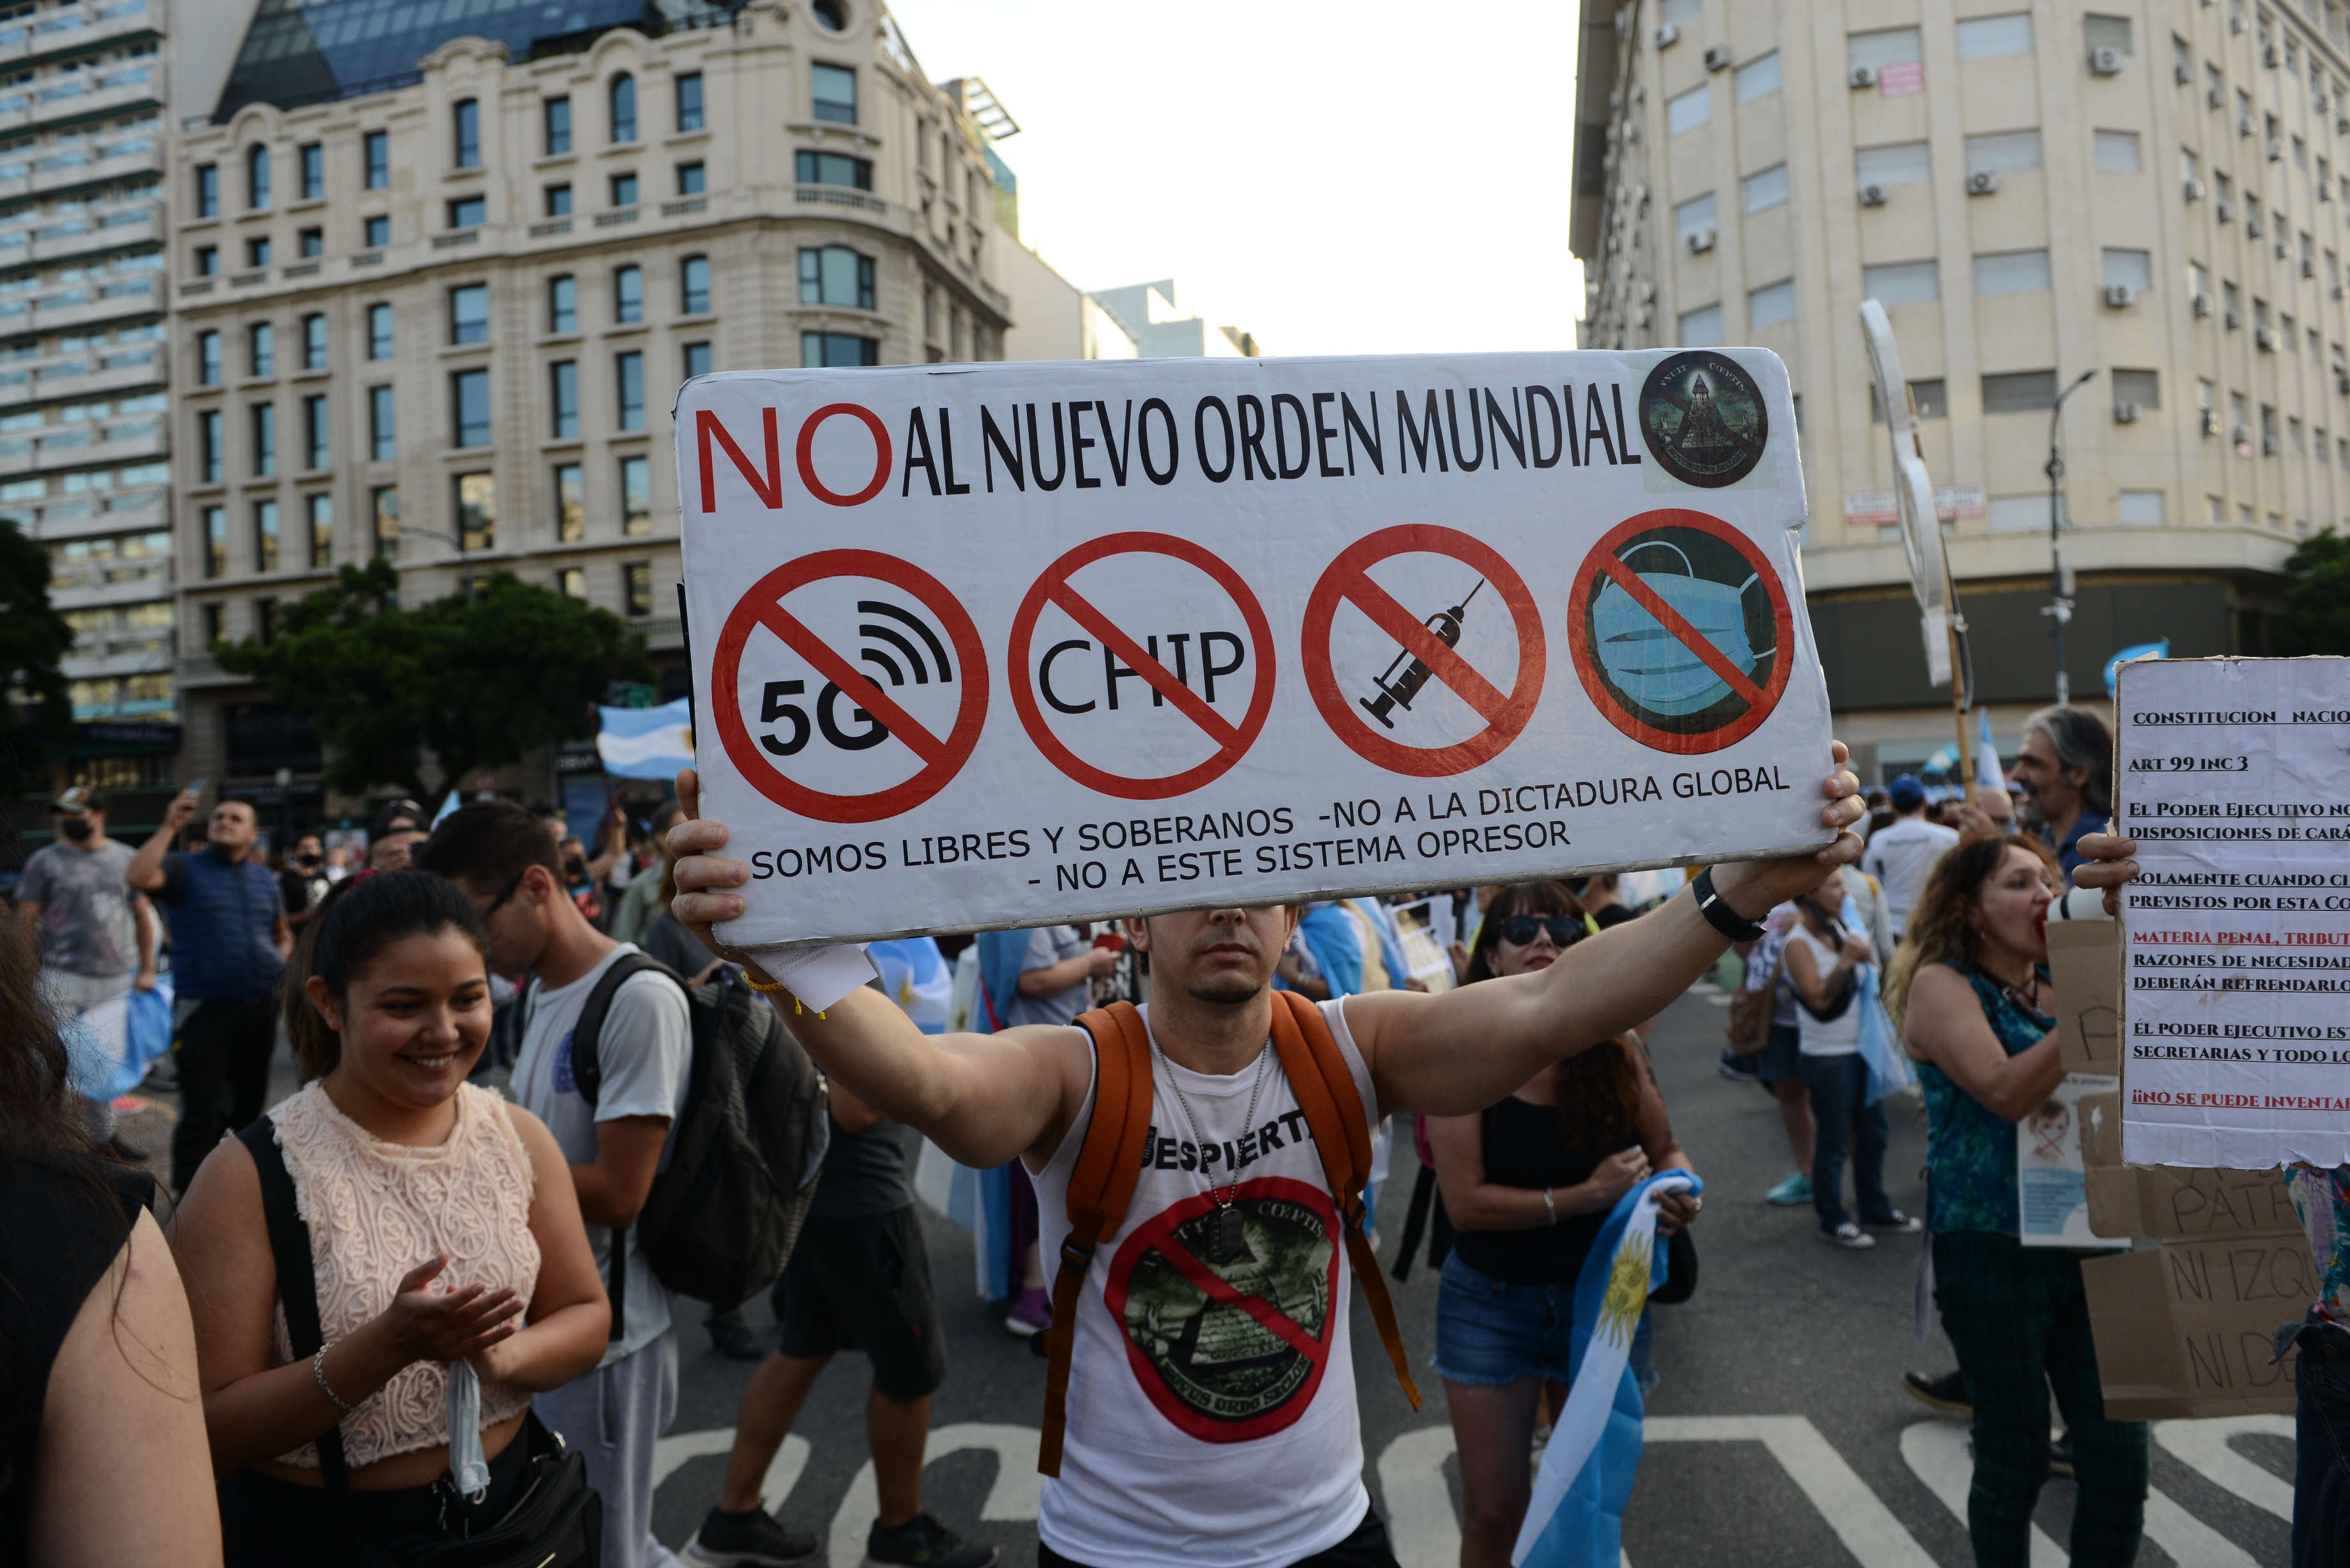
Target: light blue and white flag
1989, 773
1575, 1517
2137, 651
646, 743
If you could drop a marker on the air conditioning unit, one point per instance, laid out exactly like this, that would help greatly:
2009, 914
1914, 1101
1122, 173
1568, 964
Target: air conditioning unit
2210, 422
2271, 57
1668, 36
1861, 77
2232, 319
2242, 435
1717, 57
1699, 241
1983, 182
2201, 304
2106, 61
2265, 340
2182, 73
2317, 105
1872, 195
2276, 150
2119, 296
2194, 189
2225, 212
2244, 126
1632, 130
1647, 293
2341, 125
2278, 249
1646, 316
2125, 413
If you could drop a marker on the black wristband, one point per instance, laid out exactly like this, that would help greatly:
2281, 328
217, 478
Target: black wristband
1718, 912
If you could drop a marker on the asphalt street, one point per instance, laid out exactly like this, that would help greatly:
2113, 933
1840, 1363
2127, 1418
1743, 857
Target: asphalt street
1780, 1434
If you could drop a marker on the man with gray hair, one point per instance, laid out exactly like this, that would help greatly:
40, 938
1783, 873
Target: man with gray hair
2066, 769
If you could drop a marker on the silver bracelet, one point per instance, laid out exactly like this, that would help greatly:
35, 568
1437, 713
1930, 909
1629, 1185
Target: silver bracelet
319, 1373
1548, 1208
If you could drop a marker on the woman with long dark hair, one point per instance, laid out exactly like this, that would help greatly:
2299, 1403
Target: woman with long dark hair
101, 1431
442, 1228
1527, 1183
1968, 991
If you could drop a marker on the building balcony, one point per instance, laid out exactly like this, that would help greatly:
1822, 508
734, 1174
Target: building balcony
66, 238
1979, 557
91, 380
76, 31
147, 651
88, 308
54, 173
103, 512
120, 442
93, 586
38, 106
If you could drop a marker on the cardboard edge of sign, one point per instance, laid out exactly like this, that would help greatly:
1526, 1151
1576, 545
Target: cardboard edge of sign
1301, 896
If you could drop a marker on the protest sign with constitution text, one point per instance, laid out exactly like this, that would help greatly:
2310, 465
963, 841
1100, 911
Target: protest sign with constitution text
1002, 645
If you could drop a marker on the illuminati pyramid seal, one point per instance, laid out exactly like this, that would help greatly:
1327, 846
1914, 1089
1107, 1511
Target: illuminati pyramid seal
1703, 417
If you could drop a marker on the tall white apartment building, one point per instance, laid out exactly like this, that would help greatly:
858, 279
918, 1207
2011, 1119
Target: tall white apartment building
2149, 190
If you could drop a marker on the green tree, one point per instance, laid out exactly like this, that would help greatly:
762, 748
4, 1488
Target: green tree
34, 640
2315, 615
475, 682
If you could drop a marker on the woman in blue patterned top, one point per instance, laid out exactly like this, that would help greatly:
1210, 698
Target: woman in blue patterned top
1969, 990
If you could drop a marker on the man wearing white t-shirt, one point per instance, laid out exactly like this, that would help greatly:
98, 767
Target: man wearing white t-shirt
1902, 853
503, 857
1212, 1419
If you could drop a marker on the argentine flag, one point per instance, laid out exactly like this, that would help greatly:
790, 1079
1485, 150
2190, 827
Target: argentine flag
1575, 1517
646, 743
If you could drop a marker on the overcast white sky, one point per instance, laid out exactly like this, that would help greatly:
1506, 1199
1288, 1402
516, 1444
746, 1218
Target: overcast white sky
1337, 176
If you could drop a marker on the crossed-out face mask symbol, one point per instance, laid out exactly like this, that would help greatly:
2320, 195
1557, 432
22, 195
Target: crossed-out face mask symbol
1651, 666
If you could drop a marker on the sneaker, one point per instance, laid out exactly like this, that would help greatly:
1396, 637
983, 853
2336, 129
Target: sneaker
1031, 1313
726, 1540
2060, 1455
1897, 1223
1795, 1190
1849, 1236
1734, 1067
734, 1338
1947, 1394
924, 1541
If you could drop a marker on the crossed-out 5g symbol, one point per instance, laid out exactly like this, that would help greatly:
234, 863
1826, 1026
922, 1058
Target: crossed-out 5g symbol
906, 663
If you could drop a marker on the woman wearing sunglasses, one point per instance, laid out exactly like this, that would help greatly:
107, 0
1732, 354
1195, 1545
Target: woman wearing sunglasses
1527, 1184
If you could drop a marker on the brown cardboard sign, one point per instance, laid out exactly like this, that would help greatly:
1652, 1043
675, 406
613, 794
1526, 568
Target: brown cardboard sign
2084, 964
2169, 1203
2184, 1329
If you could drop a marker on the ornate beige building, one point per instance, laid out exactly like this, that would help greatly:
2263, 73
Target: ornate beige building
444, 318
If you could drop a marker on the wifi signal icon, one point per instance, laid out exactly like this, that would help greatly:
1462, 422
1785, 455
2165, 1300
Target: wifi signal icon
896, 639
906, 663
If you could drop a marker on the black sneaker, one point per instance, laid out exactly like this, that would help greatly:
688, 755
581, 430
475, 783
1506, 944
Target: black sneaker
726, 1540
923, 1541
2060, 1455
1947, 1393
734, 1338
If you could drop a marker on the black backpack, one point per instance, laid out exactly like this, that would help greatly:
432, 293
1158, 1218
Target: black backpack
722, 1216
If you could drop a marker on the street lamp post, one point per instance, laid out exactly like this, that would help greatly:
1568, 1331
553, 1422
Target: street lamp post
2060, 587
464, 562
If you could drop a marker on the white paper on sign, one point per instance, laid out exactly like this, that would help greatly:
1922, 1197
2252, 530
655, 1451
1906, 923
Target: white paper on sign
2235, 1051
1011, 644
2052, 1183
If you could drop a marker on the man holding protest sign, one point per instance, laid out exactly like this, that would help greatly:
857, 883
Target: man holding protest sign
1228, 1245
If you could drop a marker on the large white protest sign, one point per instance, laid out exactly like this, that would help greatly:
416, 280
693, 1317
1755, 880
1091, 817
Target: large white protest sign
2235, 1042
1001, 645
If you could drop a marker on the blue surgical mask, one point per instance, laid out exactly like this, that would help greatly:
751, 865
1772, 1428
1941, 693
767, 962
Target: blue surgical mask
1656, 668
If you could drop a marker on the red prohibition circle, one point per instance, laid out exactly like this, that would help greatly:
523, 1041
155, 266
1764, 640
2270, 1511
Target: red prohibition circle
1232, 742
1760, 700
806, 454
1347, 579
942, 758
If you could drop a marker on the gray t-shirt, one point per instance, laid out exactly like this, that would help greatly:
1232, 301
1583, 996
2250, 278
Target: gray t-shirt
646, 1054
86, 924
1048, 945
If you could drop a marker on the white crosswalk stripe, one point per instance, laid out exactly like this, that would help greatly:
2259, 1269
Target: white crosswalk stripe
2202, 1445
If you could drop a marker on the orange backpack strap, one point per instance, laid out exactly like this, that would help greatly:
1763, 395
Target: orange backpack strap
1100, 1186
1325, 1086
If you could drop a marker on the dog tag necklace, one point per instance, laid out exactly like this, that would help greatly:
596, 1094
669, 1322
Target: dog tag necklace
1225, 1242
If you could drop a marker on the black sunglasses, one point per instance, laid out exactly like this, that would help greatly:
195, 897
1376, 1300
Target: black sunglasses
500, 901
1519, 930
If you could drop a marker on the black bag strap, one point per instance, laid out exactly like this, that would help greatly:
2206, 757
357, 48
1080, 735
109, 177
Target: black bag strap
297, 1288
587, 1073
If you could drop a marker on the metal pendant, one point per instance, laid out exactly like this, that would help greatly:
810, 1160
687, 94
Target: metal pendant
1225, 1242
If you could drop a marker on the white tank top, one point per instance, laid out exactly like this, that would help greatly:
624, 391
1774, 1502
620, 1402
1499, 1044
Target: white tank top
1212, 1416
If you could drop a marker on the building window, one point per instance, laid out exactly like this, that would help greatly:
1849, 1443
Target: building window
834, 169
1686, 112
375, 155
558, 201
383, 439
2129, 269
264, 535
377, 232
210, 462
256, 251
628, 377
635, 495
1702, 329
1757, 78
557, 119
628, 294
477, 510
690, 181
834, 91
469, 313
313, 341
383, 508
2143, 388
2019, 392
320, 508
571, 581
466, 131
1930, 399
469, 212
314, 431
2116, 152
212, 634
1902, 283
835, 274
2140, 508
207, 260
257, 177
378, 321
563, 304
208, 190
570, 503
688, 101
624, 190
623, 97
1771, 306
1766, 189
1692, 216
2107, 33
563, 384
827, 350
1890, 47
208, 358
697, 360
469, 405
310, 242
637, 587
1995, 38
1902, 164
2004, 152
216, 541
694, 291
312, 160
2011, 272
265, 441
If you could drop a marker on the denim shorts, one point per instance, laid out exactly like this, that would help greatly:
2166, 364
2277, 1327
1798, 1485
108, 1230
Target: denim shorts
1491, 1333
